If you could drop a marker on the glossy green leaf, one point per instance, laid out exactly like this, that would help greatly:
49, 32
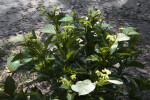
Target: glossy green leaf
64, 86
9, 86
134, 33
12, 66
113, 47
71, 40
27, 60
128, 29
105, 25
66, 19
18, 38
22, 55
83, 87
51, 39
93, 58
122, 37
48, 29
70, 96
115, 82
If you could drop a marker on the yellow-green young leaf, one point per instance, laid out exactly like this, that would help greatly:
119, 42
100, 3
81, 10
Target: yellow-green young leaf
54, 8
43, 9
83, 87
115, 82
65, 27
113, 47
93, 58
12, 66
96, 13
18, 38
122, 37
70, 54
48, 29
66, 19
1, 89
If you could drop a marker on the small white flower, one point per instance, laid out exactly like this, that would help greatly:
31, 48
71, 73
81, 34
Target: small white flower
86, 18
97, 22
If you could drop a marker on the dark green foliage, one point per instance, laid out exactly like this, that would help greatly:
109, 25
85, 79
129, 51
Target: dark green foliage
9, 92
9, 86
80, 46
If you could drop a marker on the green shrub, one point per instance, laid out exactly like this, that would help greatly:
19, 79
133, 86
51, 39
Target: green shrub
80, 57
